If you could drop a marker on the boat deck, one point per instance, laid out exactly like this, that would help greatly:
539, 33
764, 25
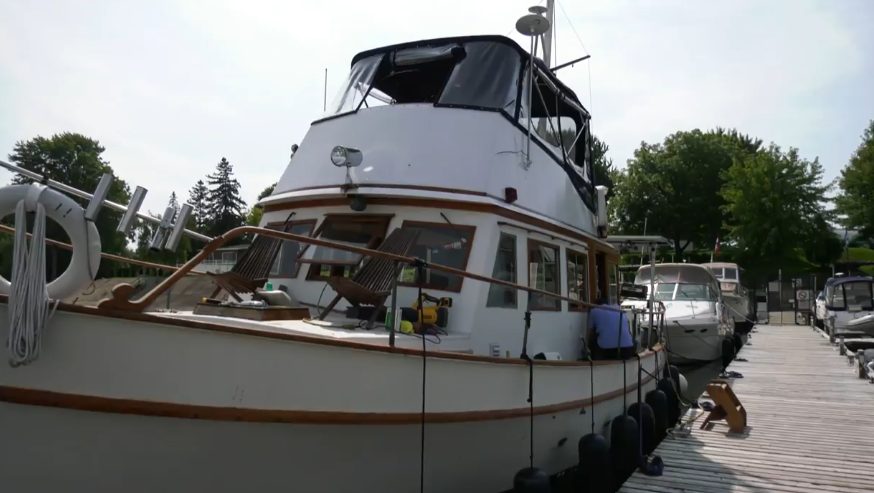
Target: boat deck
810, 426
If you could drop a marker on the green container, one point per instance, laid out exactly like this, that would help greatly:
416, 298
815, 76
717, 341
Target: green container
268, 286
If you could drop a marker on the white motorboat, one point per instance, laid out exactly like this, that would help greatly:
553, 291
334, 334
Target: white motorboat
847, 307
696, 321
736, 297
431, 138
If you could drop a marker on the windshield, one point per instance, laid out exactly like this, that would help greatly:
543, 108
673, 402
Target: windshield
730, 274
681, 292
479, 74
691, 273
857, 296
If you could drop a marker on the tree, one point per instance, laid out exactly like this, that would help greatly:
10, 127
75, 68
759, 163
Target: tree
224, 203
75, 160
673, 188
173, 202
777, 202
856, 199
198, 197
268, 191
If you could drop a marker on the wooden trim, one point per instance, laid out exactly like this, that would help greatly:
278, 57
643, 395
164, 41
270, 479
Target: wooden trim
558, 269
314, 270
593, 242
472, 229
572, 307
33, 397
395, 186
297, 262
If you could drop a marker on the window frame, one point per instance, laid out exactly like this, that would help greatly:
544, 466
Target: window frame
315, 267
450, 289
570, 306
558, 283
515, 305
277, 226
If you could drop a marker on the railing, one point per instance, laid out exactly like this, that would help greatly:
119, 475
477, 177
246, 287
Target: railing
120, 303
107, 256
122, 292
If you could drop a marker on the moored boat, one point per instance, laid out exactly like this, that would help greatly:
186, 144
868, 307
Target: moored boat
420, 177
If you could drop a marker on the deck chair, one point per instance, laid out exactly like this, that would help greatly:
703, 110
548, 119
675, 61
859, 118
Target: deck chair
251, 270
371, 285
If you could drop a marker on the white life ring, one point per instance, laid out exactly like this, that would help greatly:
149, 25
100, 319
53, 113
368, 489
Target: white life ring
83, 236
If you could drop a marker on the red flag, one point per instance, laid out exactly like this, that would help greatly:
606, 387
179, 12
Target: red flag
716, 250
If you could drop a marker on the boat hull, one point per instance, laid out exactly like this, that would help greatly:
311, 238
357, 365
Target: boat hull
694, 343
148, 406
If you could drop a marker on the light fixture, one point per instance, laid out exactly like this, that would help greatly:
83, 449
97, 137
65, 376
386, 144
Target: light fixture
346, 156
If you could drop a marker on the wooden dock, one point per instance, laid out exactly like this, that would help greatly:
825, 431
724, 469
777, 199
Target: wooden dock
810, 426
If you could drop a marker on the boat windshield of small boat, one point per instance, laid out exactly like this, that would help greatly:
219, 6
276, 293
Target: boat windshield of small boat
849, 304
680, 282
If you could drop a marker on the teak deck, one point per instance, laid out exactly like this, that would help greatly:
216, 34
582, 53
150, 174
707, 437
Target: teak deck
810, 426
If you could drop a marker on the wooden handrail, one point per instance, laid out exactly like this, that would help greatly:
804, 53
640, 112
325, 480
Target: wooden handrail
107, 256
120, 293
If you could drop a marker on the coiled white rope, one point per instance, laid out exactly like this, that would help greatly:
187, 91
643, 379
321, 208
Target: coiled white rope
29, 298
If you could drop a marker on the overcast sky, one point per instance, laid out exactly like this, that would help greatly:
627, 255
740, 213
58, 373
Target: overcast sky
169, 87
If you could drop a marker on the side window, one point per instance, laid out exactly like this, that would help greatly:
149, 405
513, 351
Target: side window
438, 243
286, 264
577, 277
359, 231
543, 274
505, 270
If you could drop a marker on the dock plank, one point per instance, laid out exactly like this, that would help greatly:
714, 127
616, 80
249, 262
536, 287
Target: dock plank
810, 426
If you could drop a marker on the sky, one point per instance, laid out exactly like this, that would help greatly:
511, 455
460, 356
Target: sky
169, 87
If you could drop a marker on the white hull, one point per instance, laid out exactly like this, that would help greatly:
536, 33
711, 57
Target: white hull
738, 307
694, 342
336, 403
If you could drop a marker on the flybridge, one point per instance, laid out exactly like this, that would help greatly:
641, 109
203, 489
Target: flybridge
170, 226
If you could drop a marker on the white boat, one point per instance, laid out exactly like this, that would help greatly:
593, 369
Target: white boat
847, 307
122, 398
696, 321
736, 296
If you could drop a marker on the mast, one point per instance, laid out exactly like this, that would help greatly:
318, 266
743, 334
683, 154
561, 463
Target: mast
547, 51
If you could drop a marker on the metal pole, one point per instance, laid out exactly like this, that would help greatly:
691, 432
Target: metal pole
394, 306
87, 196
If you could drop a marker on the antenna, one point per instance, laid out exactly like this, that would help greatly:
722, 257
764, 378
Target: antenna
325, 93
532, 25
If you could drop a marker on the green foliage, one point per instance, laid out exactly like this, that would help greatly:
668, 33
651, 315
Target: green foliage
253, 217
197, 197
856, 200
76, 160
673, 188
776, 202
224, 203
267, 191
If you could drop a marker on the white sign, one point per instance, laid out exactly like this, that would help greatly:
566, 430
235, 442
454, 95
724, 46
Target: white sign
802, 295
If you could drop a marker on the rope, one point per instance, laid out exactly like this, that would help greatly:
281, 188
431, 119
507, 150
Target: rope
29, 297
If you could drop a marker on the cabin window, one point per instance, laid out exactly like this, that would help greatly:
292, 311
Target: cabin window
487, 77
438, 243
558, 125
853, 296
504, 270
286, 264
355, 86
611, 281
358, 231
417, 75
543, 274
577, 278
730, 274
